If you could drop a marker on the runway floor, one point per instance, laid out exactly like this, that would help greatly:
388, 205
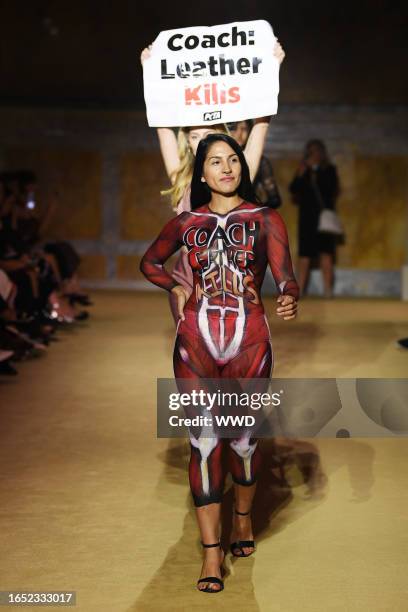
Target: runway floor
92, 501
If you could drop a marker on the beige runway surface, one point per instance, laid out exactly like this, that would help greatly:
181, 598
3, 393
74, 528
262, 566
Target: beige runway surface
92, 501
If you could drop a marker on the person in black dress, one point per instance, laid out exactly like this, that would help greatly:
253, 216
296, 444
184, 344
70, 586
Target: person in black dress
315, 186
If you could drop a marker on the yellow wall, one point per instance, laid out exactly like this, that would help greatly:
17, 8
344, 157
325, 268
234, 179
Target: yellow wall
76, 175
373, 203
143, 210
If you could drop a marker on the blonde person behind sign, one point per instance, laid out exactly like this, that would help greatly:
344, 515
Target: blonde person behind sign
179, 154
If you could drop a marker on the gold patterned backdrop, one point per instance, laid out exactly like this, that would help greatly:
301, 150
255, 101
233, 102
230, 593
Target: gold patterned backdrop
373, 203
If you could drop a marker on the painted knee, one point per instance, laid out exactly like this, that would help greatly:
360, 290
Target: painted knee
206, 474
244, 461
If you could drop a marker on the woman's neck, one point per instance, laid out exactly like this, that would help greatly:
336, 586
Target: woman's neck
222, 204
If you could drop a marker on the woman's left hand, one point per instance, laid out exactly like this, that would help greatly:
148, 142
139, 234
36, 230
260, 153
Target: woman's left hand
287, 308
278, 52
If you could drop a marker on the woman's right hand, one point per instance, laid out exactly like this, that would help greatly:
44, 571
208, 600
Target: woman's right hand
25, 261
302, 168
145, 54
182, 297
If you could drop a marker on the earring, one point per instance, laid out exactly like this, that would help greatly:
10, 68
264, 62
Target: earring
202, 179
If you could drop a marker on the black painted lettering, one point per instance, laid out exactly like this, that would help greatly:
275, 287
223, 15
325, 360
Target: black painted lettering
255, 63
171, 44
191, 42
208, 41
224, 62
235, 34
212, 63
199, 69
221, 41
243, 65
164, 74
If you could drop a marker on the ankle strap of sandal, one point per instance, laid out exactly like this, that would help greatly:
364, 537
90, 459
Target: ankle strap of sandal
210, 545
241, 513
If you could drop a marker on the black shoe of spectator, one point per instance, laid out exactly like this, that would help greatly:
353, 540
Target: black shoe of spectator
47, 318
403, 343
34, 329
82, 316
79, 298
12, 341
7, 369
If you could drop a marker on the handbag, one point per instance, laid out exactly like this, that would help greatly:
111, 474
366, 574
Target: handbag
329, 220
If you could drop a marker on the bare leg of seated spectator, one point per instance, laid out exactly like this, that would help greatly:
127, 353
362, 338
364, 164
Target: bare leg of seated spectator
33, 276
54, 265
72, 285
62, 307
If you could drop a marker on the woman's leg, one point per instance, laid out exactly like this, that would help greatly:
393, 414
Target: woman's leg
244, 458
192, 362
326, 265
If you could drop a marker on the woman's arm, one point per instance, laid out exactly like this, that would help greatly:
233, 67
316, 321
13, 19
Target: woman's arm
255, 144
167, 243
257, 136
13, 265
169, 151
298, 183
167, 137
278, 254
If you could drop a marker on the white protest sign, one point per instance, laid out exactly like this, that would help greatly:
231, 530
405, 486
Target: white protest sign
207, 75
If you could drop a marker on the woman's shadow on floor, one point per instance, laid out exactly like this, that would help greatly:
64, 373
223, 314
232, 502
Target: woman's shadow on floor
286, 464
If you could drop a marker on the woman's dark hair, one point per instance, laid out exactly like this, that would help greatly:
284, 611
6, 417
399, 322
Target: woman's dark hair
25, 178
200, 191
316, 142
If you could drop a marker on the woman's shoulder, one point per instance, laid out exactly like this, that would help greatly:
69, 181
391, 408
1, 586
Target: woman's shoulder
184, 204
253, 205
201, 209
271, 216
259, 206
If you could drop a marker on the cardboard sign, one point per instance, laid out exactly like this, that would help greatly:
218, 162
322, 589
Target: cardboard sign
207, 75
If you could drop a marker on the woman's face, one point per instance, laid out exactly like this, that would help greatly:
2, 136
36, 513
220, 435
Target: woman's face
241, 133
315, 154
196, 134
222, 169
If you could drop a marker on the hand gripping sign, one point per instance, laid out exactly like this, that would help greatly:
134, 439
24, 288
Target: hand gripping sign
207, 75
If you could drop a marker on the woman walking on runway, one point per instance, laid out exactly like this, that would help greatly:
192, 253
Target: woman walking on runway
222, 330
178, 154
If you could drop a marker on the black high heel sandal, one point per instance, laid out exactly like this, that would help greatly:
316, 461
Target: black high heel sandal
211, 579
241, 544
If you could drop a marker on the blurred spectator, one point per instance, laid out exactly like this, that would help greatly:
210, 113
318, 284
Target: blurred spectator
315, 186
39, 286
264, 182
